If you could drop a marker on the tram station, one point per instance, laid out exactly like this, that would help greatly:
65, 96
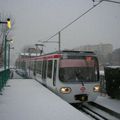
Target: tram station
77, 77
26, 99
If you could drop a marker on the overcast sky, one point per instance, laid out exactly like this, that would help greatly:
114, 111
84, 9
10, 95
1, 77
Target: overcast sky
39, 19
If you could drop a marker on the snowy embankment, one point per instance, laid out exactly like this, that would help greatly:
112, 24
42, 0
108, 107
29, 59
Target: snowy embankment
25, 99
112, 104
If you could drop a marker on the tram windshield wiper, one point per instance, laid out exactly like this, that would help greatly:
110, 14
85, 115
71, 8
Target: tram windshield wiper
79, 77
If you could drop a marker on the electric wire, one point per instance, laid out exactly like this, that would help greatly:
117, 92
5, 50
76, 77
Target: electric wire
79, 18
111, 1
73, 21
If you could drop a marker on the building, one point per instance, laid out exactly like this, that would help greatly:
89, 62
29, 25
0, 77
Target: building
102, 51
116, 57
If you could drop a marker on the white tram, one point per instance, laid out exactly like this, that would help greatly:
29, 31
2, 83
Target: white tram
73, 75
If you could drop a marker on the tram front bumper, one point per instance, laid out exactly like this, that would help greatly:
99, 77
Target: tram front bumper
81, 97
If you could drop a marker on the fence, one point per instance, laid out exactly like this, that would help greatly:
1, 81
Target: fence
4, 76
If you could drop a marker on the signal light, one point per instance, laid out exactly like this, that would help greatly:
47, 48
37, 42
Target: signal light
8, 23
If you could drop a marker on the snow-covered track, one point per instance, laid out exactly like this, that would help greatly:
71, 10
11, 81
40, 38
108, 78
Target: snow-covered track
94, 115
95, 112
113, 113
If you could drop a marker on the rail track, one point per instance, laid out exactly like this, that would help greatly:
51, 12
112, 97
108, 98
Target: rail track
95, 112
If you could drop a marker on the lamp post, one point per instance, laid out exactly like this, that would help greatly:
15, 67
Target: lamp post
8, 23
9, 41
5, 47
8, 55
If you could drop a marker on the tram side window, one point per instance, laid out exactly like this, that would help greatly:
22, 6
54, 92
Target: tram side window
30, 65
39, 67
49, 72
55, 69
44, 69
40, 71
23, 65
34, 66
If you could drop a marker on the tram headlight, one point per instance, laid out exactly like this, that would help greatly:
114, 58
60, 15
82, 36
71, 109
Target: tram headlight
65, 90
96, 88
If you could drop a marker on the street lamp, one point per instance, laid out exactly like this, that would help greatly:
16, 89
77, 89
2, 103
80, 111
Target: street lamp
9, 41
8, 23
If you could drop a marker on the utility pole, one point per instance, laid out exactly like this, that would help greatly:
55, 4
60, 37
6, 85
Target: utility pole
9, 55
41, 50
59, 42
5, 52
9, 47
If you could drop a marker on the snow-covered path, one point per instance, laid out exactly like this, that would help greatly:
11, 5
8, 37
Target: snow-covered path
25, 99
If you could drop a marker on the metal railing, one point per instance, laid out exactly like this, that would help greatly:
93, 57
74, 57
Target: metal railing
4, 76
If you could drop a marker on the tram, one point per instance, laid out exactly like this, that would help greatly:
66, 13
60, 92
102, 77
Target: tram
72, 75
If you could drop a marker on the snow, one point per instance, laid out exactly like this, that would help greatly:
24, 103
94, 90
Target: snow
102, 72
114, 67
26, 99
112, 104
1, 69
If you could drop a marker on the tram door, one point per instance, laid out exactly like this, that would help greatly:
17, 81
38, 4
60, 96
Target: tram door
51, 73
44, 65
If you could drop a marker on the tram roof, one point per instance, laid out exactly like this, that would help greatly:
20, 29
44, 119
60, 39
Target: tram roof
57, 54
70, 51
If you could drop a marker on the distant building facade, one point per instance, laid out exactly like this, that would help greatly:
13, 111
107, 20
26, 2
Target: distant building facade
116, 57
102, 51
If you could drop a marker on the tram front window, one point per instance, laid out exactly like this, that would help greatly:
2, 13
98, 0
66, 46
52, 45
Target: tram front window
78, 70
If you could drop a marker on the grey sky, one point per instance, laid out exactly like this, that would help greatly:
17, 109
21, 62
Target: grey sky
39, 19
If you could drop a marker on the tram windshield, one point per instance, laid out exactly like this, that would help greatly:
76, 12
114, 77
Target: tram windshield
84, 69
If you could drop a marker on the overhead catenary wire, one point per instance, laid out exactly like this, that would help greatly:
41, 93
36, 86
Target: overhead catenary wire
73, 21
112, 1
80, 17
59, 32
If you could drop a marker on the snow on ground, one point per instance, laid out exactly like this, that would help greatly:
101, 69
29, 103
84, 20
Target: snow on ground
16, 76
112, 104
25, 99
